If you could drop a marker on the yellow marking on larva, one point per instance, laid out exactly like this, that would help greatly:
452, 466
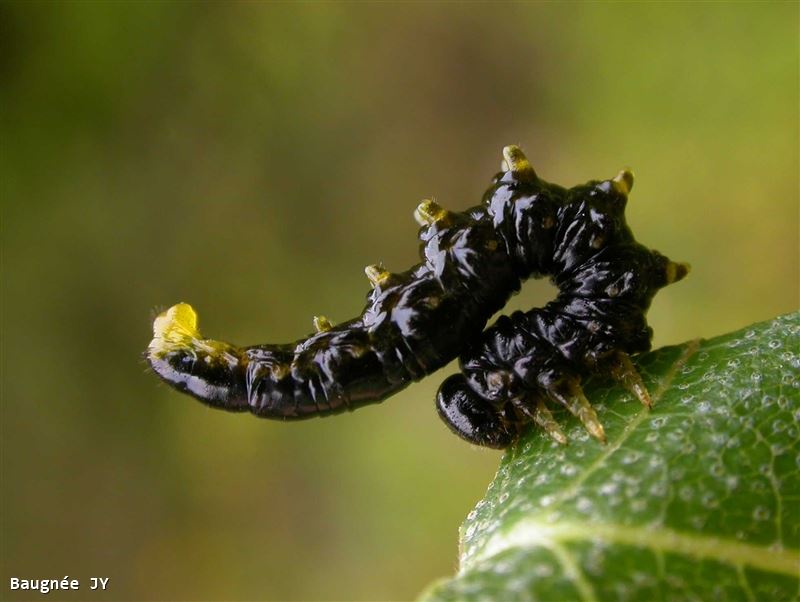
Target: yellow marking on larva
377, 275
281, 371
623, 182
677, 271
174, 328
518, 163
429, 212
322, 324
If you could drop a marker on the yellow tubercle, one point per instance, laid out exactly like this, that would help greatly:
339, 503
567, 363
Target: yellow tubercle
322, 324
429, 212
676, 271
377, 275
623, 182
518, 163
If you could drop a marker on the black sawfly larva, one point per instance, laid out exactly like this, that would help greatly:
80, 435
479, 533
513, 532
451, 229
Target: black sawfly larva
417, 321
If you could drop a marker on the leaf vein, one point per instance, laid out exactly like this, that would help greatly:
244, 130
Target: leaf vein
530, 533
573, 570
745, 583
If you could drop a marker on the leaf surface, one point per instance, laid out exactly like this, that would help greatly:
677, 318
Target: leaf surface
696, 499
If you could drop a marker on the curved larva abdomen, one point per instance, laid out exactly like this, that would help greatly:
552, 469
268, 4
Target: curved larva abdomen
414, 323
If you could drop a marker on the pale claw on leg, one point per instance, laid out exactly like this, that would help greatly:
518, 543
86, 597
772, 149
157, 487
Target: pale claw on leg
542, 417
575, 401
623, 370
545, 419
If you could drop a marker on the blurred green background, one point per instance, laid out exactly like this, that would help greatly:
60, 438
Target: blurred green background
250, 159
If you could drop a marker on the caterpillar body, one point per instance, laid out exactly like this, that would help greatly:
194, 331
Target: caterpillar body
417, 321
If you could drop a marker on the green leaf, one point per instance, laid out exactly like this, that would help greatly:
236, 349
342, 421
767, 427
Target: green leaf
696, 499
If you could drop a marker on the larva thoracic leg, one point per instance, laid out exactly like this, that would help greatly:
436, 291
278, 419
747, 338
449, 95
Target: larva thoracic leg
606, 283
